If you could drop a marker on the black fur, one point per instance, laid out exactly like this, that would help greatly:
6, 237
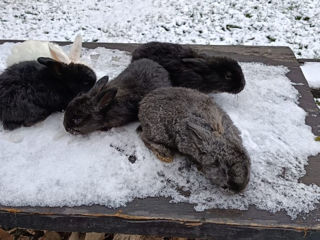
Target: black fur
115, 103
189, 69
32, 90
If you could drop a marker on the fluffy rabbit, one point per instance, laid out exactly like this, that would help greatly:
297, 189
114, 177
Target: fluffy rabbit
115, 103
190, 122
32, 90
31, 50
28, 51
189, 69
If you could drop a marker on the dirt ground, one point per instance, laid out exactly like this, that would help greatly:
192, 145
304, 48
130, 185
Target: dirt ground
28, 234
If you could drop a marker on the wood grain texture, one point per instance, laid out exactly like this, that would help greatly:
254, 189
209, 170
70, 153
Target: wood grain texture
158, 217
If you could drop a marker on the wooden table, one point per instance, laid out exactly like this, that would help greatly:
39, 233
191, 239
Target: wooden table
156, 216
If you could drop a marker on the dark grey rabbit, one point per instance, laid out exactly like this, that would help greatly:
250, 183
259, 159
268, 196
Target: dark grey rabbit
115, 103
185, 120
32, 90
189, 69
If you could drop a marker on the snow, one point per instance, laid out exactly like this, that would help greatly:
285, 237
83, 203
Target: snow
311, 70
292, 23
43, 165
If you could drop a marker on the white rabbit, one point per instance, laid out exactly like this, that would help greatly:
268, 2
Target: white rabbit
31, 50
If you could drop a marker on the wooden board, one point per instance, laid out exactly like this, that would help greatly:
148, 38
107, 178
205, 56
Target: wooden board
156, 216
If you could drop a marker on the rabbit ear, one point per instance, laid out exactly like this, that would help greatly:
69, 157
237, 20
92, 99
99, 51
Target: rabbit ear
195, 63
105, 98
54, 65
75, 51
199, 132
99, 85
193, 60
102, 81
46, 61
58, 54
204, 131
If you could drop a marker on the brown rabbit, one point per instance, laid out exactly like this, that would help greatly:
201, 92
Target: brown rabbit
190, 122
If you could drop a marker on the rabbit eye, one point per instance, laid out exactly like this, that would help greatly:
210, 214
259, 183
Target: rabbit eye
228, 76
77, 121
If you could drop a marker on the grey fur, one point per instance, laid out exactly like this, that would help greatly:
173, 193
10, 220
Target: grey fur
115, 103
190, 122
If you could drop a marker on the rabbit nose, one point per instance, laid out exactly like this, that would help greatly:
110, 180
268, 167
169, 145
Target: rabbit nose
236, 187
72, 131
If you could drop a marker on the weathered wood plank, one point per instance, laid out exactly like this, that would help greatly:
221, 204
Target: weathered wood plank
304, 60
156, 216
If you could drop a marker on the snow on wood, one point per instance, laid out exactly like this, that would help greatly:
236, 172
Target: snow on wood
43, 165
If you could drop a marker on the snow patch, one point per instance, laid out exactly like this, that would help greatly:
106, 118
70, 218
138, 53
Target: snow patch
311, 71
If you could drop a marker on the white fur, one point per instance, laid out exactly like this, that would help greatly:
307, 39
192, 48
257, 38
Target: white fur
58, 54
32, 49
75, 51
28, 51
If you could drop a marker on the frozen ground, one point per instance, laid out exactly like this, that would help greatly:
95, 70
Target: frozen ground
293, 23
43, 165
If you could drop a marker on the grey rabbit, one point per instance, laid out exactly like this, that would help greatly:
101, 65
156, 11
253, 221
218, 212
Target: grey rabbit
187, 121
188, 68
114, 103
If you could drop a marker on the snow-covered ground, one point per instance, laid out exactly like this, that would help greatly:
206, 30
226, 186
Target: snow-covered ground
292, 23
311, 70
43, 165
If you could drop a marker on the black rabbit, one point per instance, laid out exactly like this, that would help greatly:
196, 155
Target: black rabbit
185, 120
187, 68
32, 90
115, 103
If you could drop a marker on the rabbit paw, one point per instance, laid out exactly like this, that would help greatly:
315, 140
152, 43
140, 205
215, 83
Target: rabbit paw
161, 151
167, 159
11, 125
